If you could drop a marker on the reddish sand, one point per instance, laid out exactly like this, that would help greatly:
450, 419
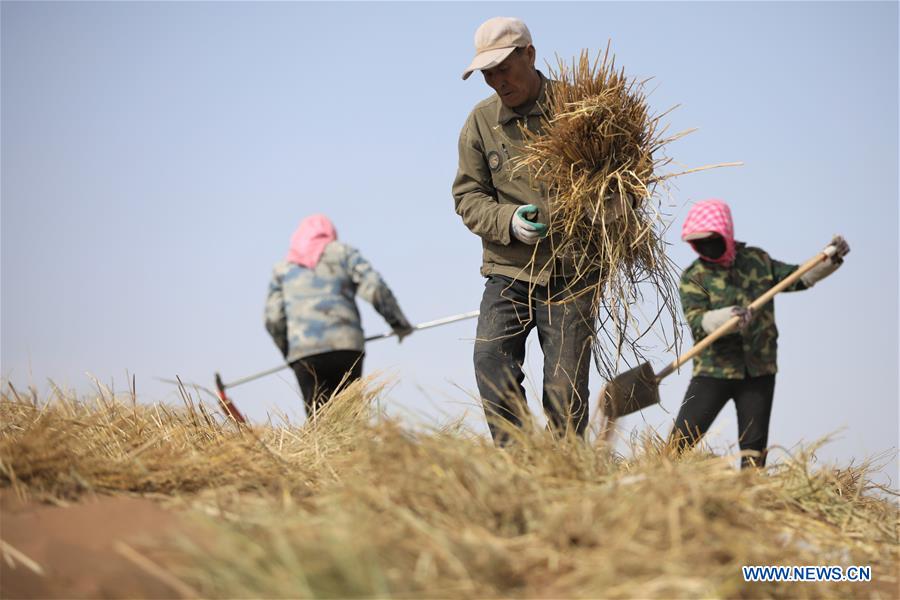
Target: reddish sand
79, 548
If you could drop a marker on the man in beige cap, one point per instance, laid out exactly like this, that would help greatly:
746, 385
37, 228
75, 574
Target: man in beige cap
525, 285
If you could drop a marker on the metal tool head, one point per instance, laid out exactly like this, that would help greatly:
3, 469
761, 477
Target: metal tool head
229, 407
629, 392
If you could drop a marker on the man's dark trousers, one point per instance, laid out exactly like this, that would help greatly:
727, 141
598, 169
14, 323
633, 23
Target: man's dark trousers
510, 309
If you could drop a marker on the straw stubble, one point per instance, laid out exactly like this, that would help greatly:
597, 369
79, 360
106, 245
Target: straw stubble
356, 504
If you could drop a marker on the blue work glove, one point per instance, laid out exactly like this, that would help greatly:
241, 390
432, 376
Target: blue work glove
523, 228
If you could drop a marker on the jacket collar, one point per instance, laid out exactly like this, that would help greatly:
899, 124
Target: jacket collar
505, 115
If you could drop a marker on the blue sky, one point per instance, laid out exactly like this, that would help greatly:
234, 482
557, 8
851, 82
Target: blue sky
157, 156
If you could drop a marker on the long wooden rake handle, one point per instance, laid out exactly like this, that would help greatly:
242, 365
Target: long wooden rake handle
729, 325
371, 338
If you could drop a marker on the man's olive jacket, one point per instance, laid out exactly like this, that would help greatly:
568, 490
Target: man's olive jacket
487, 190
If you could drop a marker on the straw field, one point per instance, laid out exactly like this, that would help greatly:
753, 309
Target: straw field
356, 504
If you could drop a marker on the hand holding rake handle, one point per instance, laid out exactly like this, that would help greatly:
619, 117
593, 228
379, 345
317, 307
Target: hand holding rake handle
639, 387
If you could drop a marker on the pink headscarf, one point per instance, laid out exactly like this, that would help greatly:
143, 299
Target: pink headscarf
711, 216
309, 240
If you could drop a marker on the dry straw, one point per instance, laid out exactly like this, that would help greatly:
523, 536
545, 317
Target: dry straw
357, 505
600, 155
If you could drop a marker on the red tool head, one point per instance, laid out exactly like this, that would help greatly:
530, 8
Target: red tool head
230, 409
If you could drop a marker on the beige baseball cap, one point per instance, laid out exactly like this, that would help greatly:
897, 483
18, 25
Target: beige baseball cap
495, 39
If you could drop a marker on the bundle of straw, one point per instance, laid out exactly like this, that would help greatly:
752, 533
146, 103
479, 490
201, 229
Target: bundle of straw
598, 156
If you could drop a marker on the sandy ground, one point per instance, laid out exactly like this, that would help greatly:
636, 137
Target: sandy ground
79, 548
98, 548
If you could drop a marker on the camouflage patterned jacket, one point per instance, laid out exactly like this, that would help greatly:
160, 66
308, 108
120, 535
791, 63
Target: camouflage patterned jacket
312, 311
705, 286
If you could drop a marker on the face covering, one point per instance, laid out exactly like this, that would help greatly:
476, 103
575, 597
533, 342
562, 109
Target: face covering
704, 218
710, 248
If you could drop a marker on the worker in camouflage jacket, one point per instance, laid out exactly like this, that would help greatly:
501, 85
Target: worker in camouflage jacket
311, 310
719, 285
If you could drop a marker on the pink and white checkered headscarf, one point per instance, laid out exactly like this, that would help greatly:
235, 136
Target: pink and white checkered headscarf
309, 240
711, 216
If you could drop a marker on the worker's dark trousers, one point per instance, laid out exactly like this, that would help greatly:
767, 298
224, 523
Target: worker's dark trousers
565, 333
320, 375
706, 396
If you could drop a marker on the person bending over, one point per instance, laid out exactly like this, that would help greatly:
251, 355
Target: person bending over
311, 310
